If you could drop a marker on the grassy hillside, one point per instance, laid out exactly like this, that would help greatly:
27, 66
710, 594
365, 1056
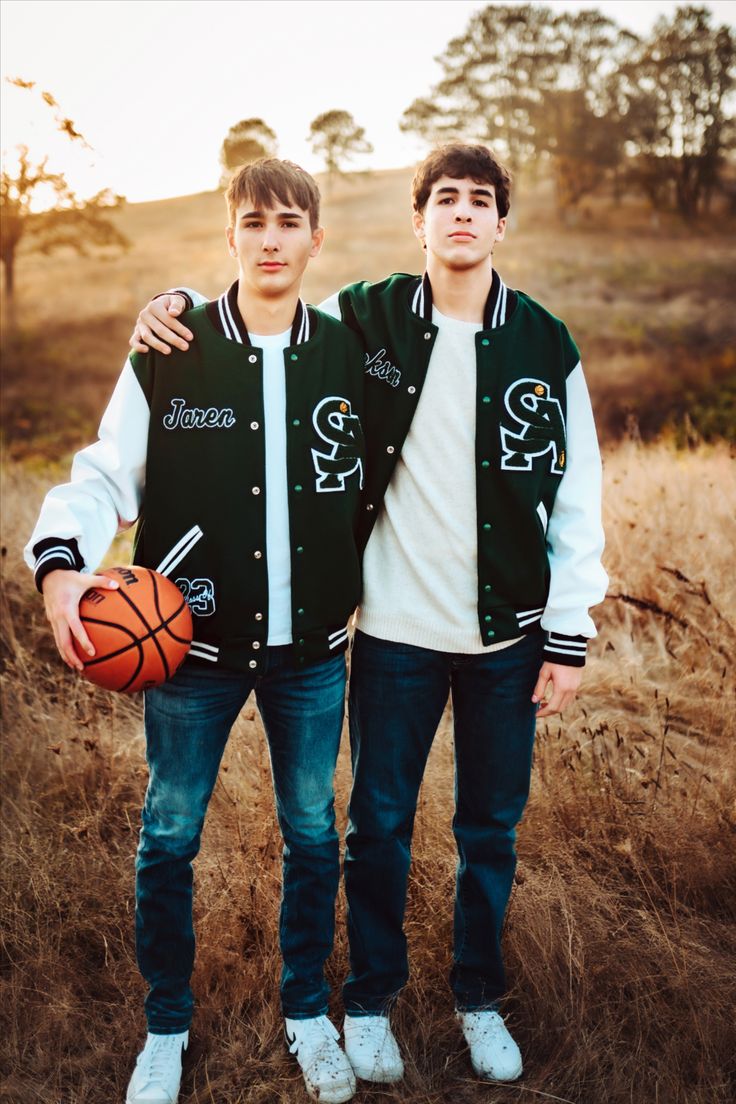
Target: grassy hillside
648, 304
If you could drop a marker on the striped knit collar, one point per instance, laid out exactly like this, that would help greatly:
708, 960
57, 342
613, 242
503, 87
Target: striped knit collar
225, 316
500, 304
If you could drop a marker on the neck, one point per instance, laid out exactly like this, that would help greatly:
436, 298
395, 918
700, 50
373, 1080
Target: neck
267, 315
460, 293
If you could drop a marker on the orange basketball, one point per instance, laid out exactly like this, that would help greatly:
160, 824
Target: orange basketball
140, 632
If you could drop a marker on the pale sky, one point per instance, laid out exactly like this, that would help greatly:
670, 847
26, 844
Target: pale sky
154, 85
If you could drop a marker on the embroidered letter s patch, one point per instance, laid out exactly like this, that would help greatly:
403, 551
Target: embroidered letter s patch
336, 424
542, 427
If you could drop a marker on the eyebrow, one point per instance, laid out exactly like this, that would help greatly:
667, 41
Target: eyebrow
281, 214
473, 191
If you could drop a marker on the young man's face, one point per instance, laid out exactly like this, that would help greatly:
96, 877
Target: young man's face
273, 246
460, 223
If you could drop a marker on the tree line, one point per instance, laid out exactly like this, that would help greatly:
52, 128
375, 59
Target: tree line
603, 107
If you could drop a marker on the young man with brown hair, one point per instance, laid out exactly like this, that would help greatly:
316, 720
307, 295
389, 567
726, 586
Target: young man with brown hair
243, 459
482, 534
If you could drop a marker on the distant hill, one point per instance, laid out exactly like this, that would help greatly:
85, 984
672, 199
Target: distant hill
648, 302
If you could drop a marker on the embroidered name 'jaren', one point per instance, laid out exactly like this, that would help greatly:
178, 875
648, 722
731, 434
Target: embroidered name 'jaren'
195, 417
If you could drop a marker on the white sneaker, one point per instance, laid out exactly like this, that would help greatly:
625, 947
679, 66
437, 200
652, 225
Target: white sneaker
327, 1073
493, 1053
372, 1049
157, 1074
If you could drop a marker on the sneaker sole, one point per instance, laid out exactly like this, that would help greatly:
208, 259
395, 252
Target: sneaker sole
132, 1100
334, 1095
497, 1080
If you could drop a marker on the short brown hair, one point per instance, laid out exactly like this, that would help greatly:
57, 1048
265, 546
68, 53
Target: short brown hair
461, 162
269, 179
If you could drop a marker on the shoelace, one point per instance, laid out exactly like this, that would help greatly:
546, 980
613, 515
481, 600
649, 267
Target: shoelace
161, 1057
314, 1036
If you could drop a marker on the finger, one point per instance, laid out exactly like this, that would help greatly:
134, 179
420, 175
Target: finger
103, 581
166, 325
548, 709
59, 646
135, 344
66, 648
145, 334
79, 632
167, 330
540, 687
177, 304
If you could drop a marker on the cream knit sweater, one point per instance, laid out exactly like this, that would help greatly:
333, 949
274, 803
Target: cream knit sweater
420, 570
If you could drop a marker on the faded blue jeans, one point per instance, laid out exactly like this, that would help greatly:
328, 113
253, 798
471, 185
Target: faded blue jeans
188, 721
397, 695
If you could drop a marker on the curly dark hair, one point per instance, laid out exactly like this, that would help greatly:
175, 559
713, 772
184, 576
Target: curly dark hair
462, 162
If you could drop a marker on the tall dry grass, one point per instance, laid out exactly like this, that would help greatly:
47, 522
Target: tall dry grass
620, 938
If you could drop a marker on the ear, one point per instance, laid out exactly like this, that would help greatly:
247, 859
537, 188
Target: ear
420, 232
318, 237
230, 235
501, 229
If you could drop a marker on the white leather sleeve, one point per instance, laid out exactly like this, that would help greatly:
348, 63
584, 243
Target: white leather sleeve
105, 492
575, 532
331, 306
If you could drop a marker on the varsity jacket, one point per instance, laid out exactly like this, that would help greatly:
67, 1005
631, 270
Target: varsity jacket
538, 468
181, 448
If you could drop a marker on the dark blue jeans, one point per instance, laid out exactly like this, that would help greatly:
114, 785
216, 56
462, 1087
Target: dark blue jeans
188, 721
397, 696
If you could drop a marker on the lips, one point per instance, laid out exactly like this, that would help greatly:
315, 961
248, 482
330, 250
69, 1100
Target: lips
463, 235
271, 266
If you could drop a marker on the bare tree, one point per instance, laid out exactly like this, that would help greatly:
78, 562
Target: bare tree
67, 221
337, 137
245, 142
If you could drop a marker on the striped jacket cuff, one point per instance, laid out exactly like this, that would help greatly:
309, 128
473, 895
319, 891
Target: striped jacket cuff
52, 554
568, 650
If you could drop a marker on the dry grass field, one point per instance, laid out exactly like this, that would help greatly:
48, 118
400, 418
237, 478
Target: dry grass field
620, 940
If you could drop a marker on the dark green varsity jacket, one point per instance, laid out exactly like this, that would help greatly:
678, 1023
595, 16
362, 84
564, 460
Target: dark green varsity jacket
538, 548
203, 507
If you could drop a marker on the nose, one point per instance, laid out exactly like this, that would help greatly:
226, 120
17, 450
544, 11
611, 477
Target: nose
270, 242
463, 216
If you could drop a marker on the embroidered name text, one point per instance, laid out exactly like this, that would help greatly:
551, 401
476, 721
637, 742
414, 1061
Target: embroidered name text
195, 417
378, 365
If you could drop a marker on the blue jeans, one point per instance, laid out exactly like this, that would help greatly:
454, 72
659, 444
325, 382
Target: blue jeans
188, 721
397, 695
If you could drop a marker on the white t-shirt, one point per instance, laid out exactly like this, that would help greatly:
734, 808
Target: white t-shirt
278, 541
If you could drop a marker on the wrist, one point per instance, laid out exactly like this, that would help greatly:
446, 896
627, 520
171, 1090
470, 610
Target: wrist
55, 554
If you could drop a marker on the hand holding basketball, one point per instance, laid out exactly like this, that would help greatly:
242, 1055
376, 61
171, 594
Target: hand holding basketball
129, 630
62, 592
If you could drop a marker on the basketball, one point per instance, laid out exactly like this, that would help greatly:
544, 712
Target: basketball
141, 632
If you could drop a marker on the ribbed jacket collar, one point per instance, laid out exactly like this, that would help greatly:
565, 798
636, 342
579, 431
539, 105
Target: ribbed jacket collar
500, 304
225, 316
